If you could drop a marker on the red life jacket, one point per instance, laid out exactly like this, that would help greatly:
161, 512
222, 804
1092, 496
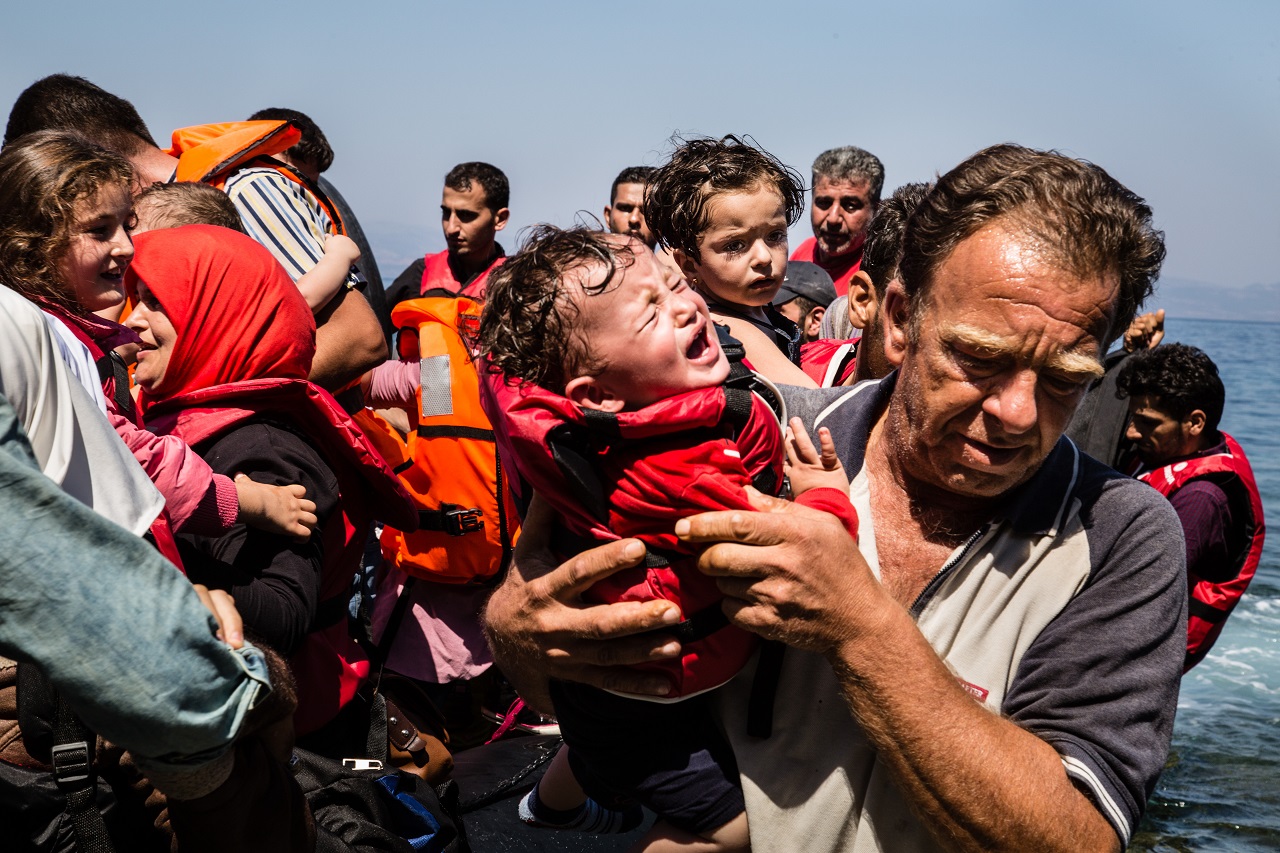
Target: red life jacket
636, 473
829, 362
841, 269
212, 153
1211, 603
101, 337
438, 275
329, 666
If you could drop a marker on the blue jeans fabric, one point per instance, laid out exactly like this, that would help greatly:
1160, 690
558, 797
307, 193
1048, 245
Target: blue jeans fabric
116, 628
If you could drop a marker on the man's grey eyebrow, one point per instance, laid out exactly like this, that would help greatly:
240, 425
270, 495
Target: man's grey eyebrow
1070, 361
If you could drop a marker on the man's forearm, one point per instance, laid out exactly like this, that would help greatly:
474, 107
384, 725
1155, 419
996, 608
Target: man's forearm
977, 780
348, 341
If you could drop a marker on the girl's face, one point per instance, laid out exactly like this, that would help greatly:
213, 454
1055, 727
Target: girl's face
744, 249
158, 337
100, 249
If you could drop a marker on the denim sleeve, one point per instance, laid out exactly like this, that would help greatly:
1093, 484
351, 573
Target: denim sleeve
116, 628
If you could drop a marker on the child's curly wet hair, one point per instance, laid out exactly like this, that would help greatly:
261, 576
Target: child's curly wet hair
526, 330
677, 195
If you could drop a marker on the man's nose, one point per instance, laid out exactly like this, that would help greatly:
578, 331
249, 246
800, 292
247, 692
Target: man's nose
1131, 433
1013, 402
831, 216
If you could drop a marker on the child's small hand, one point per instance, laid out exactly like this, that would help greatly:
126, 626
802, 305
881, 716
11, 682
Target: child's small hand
808, 467
342, 247
276, 509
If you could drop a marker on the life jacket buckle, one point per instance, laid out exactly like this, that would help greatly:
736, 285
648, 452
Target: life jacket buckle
459, 522
72, 764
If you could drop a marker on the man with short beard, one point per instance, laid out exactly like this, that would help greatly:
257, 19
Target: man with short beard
846, 192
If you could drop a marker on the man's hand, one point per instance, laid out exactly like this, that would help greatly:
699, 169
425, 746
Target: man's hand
539, 628
223, 608
789, 573
1145, 332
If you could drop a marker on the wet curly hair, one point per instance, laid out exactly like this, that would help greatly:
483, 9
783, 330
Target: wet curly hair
43, 176
1181, 378
527, 327
678, 193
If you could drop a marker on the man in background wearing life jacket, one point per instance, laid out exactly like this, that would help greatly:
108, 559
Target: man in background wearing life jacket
473, 209
1175, 403
280, 208
846, 192
624, 214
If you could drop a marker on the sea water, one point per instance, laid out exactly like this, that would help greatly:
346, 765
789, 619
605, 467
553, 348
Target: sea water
1221, 785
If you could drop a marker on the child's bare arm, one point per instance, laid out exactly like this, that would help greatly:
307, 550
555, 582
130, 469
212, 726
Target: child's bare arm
326, 278
808, 467
276, 509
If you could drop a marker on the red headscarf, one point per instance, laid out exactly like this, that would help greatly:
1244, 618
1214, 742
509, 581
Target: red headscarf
236, 312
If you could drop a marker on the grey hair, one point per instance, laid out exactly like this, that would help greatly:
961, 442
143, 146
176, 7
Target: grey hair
850, 163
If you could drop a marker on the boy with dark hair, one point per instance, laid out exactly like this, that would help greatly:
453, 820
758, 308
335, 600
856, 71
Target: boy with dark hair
607, 389
1175, 403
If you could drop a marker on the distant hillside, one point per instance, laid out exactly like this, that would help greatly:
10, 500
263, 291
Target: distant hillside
1198, 300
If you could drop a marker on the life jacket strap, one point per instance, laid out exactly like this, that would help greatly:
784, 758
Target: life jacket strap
453, 519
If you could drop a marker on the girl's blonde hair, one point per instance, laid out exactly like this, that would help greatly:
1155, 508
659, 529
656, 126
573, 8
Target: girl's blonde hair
42, 178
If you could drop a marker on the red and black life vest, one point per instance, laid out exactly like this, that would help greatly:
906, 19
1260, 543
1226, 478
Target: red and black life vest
635, 473
438, 275
329, 665
1211, 603
828, 361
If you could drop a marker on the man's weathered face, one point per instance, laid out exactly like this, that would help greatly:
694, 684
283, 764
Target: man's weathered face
1158, 436
840, 214
625, 215
1005, 348
469, 225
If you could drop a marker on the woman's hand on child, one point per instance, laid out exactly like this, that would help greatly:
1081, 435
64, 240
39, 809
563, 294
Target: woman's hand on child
284, 510
808, 467
223, 608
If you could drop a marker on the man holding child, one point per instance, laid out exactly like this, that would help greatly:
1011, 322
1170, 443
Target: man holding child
994, 663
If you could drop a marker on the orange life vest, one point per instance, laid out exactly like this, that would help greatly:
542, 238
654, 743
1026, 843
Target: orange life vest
211, 153
468, 522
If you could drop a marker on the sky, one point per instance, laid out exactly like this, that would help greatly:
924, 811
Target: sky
1179, 101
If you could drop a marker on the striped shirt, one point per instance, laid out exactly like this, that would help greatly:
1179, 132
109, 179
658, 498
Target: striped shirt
283, 216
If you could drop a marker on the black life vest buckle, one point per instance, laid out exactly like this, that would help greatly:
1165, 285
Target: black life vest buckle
72, 765
460, 522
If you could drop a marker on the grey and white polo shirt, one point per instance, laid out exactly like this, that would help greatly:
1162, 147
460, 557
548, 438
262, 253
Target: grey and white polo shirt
1066, 614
